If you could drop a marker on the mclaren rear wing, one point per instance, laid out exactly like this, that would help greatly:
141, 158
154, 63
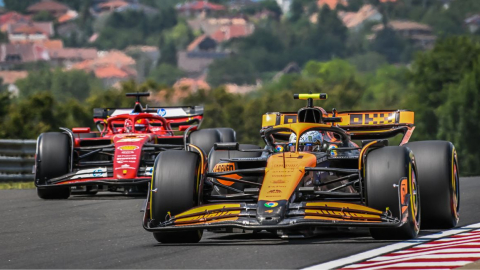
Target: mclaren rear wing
178, 115
361, 125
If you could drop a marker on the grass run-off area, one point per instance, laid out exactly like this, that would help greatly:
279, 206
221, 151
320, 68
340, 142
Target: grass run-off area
17, 185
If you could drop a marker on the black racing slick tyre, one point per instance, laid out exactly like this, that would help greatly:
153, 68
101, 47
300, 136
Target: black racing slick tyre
385, 167
227, 134
437, 167
205, 139
52, 160
173, 191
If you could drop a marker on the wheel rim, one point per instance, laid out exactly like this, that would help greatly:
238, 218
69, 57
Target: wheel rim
455, 193
415, 201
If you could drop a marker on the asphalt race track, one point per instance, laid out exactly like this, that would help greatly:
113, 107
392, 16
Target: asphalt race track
105, 232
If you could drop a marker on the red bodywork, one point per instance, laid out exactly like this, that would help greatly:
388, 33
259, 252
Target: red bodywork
129, 144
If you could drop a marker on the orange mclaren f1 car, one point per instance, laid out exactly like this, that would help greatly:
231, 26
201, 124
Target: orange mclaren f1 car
310, 174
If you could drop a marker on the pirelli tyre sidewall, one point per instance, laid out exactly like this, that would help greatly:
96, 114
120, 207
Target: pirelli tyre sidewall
174, 190
384, 169
52, 159
437, 166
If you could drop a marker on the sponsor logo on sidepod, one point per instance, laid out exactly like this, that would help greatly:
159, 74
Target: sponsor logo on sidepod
127, 147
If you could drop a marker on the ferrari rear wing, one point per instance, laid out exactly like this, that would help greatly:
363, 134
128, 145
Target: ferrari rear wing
177, 115
361, 125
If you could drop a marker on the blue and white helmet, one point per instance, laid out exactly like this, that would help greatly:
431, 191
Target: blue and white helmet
308, 142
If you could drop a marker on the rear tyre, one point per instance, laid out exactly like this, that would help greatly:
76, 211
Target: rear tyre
227, 134
174, 190
52, 160
384, 169
438, 171
205, 139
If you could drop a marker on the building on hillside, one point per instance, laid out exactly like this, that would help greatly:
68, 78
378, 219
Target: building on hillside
332, 4
66, 57
10, 77
199, 55
55, 8
209, 26
14, 54
111, 67
227, 32
11, 18
67, 17
197, 8
421, 35
30, 32
356, 20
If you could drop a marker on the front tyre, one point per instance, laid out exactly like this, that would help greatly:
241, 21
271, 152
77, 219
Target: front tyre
52, 160
384, 169
173, 191
437, 167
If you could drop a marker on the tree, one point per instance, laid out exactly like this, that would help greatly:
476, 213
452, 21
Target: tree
433, 73
458, 119
43, 16
166, 74
389, 44
231, 70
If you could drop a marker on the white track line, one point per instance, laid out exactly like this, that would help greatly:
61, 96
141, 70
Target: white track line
390, 248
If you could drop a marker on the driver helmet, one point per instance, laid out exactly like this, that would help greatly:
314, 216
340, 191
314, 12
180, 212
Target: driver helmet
309, 141
142, 125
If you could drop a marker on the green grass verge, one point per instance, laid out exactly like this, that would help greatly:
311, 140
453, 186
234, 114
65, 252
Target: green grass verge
17, 185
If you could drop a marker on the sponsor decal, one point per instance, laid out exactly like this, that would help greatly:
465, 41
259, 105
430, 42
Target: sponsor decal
89, 173
149, 171
224, 167
269, 211
130, 140
162, 112
219, 214
280, 181
278, 148
128, 147
274, 191
125, 166
286, 165
97, 173
372, 118
271, 204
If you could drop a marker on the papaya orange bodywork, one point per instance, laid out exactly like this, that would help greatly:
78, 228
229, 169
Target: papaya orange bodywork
281, 179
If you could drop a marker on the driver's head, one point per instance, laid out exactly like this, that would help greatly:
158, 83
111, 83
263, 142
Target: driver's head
309, 141
142, 125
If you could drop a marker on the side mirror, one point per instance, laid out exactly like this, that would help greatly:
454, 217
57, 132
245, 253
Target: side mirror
81, 130
226, 146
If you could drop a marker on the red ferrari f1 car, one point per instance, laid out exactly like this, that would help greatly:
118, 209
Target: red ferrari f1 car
312, 173
120, 156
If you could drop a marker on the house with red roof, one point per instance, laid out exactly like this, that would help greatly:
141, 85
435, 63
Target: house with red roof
199, 7
111, 67
14, 54
12, 17
55, 8
421, 35
30, 32
228, 32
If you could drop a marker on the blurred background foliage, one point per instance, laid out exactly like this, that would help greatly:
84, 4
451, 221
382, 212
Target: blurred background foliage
440, 85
